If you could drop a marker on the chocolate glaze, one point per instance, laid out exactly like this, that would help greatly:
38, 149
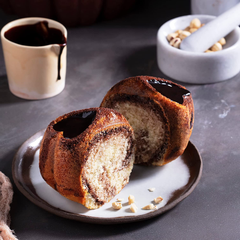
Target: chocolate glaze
169, 90
36, 35
75, 125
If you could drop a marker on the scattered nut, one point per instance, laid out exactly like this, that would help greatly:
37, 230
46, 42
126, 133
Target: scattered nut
150, 207
207, 51
184, 34
216, 47
195, 23
175, 42
133, 208
120, 199
158, 199
151, 189
171, 36
222, 41
117, 205
131, 199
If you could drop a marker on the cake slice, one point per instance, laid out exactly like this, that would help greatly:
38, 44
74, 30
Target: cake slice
88, 155
161, 113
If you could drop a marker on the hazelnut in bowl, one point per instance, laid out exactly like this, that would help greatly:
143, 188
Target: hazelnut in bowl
219, 63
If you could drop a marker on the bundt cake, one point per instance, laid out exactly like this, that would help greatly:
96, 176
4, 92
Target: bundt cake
88, 155
161, 113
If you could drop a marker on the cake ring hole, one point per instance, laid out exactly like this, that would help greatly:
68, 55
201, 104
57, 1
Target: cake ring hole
169, 90
75, 125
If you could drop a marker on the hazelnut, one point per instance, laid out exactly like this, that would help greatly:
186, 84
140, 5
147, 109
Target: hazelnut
184, 34
192, 30
171, 36
216, 47
178, 31
195, 23
222, 41
175, 42
187, 29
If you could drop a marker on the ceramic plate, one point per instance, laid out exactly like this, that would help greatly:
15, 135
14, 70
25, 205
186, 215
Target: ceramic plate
173, 182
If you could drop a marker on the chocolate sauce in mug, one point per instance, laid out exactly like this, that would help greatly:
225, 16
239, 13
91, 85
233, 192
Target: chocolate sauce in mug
36, 35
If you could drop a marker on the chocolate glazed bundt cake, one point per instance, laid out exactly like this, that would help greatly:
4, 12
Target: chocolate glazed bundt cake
88, 155
161, 113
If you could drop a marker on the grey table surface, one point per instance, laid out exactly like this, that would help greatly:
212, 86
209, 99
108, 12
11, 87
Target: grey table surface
98, 57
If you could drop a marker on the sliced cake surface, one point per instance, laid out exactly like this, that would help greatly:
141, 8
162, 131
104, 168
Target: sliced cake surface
161, 113
88, 155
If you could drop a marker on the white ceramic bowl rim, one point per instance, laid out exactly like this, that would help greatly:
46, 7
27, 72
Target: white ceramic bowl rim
31, 20
160, 35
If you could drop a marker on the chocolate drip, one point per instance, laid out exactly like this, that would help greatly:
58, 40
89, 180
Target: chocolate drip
59, 60
169, 90
36, 35
75, 125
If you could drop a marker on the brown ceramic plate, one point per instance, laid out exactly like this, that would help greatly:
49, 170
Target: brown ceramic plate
174, 182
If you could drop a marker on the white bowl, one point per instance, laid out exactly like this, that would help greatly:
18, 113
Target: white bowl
197, 67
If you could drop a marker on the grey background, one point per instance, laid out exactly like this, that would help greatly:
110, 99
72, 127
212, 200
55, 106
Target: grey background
99, 56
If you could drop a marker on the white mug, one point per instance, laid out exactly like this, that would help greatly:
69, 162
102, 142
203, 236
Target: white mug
212, 7
33, 71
